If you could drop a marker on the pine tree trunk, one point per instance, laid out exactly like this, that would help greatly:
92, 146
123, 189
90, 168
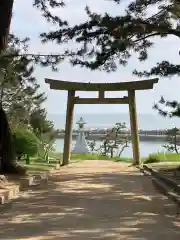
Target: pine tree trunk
5, 20
7, 154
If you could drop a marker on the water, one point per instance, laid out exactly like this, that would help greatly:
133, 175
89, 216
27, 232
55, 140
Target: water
146, 148
146, 122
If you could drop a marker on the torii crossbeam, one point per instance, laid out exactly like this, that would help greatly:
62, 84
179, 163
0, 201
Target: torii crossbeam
101, 88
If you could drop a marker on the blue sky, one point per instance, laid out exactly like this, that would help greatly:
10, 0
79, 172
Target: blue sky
28, 22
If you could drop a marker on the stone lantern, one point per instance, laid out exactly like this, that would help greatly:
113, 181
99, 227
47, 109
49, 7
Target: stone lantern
81, 145
81, 123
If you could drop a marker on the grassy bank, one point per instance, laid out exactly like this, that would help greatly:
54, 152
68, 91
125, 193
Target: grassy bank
162, 157
55, 158
90, 156
97, 157
164, 162
38, 165
152, 158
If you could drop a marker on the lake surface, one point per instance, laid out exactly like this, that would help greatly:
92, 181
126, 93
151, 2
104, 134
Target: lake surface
146, 148
145, 122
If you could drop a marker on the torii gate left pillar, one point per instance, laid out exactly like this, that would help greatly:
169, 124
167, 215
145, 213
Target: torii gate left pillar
68, 127
101, 88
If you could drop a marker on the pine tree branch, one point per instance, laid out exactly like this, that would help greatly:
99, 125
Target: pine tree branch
45, 7
163, 69
107, 39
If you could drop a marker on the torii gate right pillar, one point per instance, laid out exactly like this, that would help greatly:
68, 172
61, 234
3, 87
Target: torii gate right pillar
134, 127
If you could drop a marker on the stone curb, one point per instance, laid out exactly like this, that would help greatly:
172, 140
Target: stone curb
164, 189
166, 186
170, 182
9, 193
14, 184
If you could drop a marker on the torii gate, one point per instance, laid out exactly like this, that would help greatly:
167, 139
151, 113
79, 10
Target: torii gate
101, 88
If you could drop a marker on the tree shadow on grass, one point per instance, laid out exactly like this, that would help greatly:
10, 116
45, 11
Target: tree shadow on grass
101, 205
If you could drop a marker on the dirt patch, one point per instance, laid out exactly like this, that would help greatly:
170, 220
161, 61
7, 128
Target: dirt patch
92, 200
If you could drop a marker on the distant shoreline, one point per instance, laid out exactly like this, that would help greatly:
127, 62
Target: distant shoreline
152, 135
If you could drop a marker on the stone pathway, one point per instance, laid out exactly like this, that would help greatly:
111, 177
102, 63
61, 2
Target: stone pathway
92, 200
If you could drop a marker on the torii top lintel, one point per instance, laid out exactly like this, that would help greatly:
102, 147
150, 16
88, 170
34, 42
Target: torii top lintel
118, 86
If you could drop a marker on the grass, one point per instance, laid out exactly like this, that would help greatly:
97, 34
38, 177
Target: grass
36, 165
91, 156
163, 161
122, 159
162, 157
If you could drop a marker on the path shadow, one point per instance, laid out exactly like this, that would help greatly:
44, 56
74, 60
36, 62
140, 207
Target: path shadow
92, 206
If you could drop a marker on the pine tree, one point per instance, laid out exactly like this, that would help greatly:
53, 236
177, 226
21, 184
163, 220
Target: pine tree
7, 155
105, 41
19, 96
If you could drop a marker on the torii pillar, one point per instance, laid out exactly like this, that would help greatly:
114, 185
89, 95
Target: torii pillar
68, 127
134, 127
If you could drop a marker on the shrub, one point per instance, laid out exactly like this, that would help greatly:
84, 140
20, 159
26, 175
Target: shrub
25, 143
152, 158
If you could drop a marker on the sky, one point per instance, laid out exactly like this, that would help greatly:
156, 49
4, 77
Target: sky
28, 21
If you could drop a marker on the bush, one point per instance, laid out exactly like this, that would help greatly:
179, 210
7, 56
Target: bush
25, 143
152, 158
163, 157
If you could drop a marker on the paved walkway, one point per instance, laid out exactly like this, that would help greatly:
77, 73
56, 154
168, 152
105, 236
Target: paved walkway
92, 200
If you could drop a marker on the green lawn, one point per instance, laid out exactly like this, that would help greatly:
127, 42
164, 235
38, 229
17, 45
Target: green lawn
156, 159
37, 166
91, 156
164, 165
162, 157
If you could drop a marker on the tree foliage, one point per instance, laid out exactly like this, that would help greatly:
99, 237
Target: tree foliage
45, 6
105, 40
173, 138
44, 130
168, 108
12, 73
112, 143
22, 99
25, 143
20, 94
39, 122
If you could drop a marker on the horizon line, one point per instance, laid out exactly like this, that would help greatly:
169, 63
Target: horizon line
116, 113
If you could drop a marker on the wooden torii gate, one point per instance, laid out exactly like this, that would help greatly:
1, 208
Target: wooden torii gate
101, 88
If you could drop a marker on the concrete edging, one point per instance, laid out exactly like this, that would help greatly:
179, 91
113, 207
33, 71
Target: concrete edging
13, 184
165, 185
170, 182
